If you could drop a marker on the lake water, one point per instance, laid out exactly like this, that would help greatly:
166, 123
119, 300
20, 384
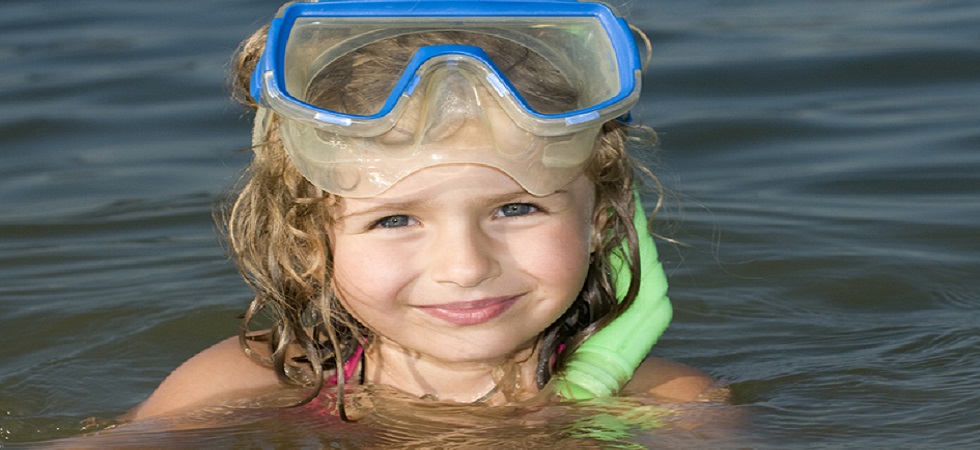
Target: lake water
824, 160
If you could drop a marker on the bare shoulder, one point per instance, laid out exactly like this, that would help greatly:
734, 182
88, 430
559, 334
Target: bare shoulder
669, 380
212, 375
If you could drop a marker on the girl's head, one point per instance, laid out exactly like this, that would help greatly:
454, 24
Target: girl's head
311, 255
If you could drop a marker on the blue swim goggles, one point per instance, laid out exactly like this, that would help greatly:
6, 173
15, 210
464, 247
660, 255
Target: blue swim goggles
352, 152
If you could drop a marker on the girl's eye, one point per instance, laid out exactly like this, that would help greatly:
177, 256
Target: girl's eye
394, 221
516, 209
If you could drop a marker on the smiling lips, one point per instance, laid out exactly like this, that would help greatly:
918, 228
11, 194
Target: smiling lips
470, 313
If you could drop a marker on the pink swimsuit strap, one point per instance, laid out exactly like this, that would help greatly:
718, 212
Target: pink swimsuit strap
350, 366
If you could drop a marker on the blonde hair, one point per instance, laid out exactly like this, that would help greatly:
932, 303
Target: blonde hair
277, 224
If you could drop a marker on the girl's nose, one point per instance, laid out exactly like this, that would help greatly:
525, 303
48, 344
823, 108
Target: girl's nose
464, 255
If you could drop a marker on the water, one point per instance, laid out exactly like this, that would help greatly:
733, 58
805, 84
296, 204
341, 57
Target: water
824, 159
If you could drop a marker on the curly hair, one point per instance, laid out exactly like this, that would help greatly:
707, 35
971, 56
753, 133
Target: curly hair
277, 223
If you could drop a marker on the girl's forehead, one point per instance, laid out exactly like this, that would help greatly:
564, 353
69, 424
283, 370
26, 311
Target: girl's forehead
455, 180
457, 184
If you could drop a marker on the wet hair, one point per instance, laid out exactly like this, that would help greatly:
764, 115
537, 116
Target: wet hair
277, 224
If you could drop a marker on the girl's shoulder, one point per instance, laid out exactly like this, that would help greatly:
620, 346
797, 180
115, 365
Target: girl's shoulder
221, 372
670, 381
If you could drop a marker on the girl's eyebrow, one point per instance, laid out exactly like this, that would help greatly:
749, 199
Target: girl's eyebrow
414, 204
385, 208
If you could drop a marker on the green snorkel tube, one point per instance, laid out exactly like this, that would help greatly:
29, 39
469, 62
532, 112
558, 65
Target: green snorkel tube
605, 362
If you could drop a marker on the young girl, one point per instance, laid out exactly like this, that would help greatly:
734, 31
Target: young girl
436, 203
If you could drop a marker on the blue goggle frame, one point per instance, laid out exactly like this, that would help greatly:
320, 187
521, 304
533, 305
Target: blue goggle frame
272, 62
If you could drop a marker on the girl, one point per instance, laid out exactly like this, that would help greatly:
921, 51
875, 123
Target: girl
435, 204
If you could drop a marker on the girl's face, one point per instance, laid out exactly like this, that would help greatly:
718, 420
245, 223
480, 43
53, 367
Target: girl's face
459, 264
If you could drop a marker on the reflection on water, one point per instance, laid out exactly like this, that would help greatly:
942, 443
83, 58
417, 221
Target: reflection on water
388, 420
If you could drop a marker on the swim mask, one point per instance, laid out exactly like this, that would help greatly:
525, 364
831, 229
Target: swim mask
450, 101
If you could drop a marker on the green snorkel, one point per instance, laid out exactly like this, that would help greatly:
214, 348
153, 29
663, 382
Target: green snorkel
605, 362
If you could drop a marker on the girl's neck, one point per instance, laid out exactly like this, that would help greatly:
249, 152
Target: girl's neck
493, 382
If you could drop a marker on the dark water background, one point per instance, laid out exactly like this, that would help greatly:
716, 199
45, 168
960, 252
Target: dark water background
825, 157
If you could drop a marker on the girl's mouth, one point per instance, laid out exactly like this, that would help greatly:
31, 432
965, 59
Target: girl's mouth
471, 312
